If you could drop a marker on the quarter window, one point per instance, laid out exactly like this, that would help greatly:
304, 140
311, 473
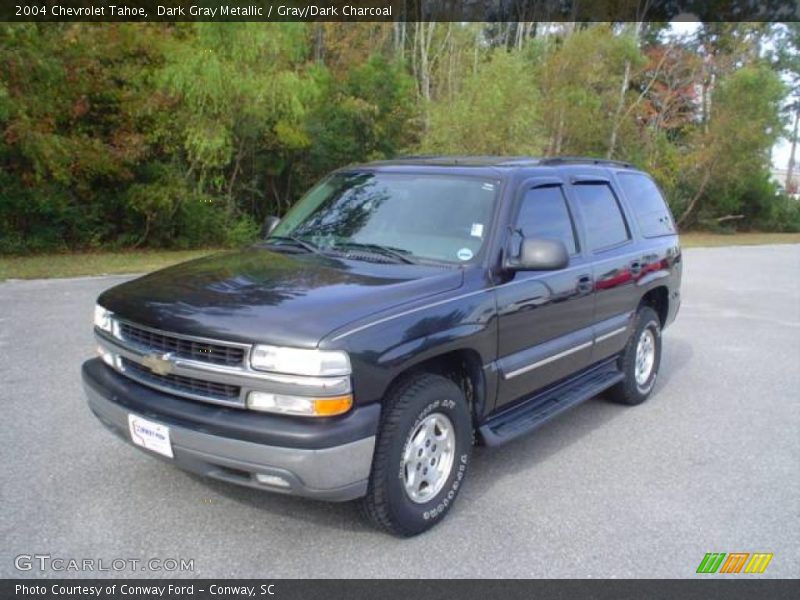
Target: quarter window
544, 214
605, 225
647, 204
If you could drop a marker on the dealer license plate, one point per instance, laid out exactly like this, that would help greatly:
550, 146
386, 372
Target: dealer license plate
150, 435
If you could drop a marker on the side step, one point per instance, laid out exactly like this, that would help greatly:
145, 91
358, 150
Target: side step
540, 408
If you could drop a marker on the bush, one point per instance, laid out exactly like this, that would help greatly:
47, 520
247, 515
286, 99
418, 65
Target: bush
783, 216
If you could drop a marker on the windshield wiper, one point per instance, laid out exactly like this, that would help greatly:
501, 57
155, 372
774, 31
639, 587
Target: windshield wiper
399, 254
296, 241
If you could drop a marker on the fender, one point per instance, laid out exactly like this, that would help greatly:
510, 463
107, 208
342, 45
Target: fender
409, 353
468, 338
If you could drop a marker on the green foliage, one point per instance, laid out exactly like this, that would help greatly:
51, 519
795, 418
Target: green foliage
365, 117
496, 111
580, 83
130, 135
733, 154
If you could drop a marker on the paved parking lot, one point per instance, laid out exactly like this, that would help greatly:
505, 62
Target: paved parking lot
710, 463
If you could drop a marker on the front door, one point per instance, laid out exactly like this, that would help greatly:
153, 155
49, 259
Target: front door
545, 317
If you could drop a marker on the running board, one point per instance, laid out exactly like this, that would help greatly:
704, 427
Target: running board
543, 406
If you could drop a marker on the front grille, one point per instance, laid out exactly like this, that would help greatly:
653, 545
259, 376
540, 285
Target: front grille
217, 354
180, 384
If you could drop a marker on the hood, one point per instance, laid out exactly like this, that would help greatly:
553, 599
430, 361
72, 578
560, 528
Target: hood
257, 295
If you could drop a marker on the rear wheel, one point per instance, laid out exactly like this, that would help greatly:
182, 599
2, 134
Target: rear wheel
421, 456
640, 360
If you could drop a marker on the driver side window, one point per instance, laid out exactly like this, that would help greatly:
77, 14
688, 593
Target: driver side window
544, 214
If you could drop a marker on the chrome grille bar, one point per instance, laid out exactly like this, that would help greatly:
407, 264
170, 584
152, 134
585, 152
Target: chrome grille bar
203, 380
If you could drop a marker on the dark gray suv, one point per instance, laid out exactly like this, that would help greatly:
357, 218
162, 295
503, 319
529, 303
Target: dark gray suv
401, 312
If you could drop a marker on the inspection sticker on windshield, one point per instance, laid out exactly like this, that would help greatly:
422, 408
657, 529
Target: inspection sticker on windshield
464, 254
152, 436
477, 230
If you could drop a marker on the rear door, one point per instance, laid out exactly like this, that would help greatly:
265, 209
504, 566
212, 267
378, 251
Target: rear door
617, 262
544, 317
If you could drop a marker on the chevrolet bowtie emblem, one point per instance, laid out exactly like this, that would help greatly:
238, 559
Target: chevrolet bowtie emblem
160, 364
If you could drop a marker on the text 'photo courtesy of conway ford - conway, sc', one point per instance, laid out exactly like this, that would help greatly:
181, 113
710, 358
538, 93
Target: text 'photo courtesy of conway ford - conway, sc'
401, 312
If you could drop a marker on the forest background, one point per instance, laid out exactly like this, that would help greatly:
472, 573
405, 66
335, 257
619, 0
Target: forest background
155, 135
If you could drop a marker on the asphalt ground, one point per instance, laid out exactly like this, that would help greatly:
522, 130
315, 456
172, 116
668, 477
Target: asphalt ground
711, 463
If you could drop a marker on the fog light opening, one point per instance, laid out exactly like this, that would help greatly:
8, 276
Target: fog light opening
107, 356
272, 480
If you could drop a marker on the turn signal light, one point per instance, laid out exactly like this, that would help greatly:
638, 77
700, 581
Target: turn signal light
299, 405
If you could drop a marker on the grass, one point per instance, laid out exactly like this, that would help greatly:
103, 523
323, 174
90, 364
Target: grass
108, 263
699, 239
92, 263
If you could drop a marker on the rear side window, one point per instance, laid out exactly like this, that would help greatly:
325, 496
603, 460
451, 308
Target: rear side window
605, 225
647, 204
544, 214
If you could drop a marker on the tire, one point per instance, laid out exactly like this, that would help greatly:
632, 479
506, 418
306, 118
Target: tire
633, 391
422, 409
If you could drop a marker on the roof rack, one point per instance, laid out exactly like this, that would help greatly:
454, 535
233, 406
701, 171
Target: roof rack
415, 156
558, 160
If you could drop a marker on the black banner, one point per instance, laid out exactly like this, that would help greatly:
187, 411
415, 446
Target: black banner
398, 10
460, 589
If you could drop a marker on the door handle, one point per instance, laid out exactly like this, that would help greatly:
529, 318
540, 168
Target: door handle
636, 268
585, 284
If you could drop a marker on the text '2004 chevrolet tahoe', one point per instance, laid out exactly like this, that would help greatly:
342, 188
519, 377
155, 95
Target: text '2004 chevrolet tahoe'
401, 312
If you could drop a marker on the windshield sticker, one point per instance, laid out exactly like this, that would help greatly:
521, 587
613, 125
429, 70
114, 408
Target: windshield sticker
464, 254
477, 230
489, 187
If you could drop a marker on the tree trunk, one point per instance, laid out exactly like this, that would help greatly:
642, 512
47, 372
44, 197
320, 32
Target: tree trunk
790, 167
612, 141
626, 80
399, 31
423, 36
559, 134
424, 64
319, 43
698, 194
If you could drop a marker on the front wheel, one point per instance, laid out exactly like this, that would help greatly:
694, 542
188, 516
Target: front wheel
421, 456
640, 360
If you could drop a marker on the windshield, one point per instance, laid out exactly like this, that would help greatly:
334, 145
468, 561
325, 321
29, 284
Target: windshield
428, 217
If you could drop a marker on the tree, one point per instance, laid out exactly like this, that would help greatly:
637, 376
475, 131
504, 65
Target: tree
370, 115
496, 111
241, 95
733, 150
787, 61
580, 81
151, 134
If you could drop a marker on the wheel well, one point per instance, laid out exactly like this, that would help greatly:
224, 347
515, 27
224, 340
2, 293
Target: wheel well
462, 367
658, 300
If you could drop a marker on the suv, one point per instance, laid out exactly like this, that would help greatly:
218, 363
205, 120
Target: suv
401, 312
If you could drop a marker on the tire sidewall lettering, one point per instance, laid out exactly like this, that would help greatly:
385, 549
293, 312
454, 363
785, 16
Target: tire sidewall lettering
447, 498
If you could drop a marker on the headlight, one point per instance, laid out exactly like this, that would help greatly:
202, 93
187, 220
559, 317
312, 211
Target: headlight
297, 361
102, 318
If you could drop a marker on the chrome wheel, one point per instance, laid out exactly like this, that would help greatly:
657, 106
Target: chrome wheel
645, 356
428, 457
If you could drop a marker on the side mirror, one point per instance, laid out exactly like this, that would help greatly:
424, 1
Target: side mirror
270, 223
540, 255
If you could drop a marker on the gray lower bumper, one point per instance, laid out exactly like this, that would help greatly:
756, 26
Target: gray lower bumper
339, 473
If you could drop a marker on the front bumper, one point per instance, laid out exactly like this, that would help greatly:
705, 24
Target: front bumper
327, 459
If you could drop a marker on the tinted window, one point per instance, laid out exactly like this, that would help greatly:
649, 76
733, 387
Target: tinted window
544, 214
605, 225
437, 217
647, 204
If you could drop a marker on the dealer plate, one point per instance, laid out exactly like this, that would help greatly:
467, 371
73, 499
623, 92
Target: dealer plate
150, 435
